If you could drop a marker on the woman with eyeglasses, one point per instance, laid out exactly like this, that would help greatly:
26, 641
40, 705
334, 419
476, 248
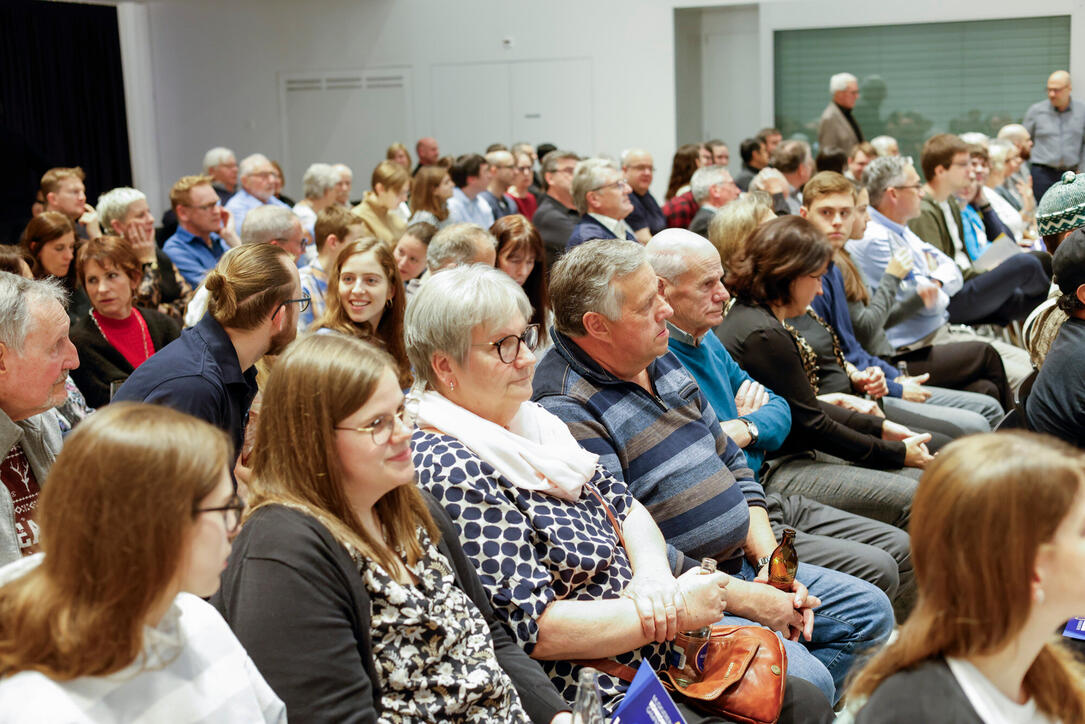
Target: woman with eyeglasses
107, 623
521, 185
366, 300
348, 587
536, 513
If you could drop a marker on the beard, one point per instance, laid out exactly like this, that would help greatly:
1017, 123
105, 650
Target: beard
281, 340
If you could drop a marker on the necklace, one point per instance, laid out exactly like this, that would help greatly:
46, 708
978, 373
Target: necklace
143, 333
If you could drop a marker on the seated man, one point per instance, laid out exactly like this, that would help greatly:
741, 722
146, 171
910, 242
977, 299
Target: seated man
198, 242
470, 174
35, 356
647, 217
712, 187
556, 216
600, 193
627, 399
259, 179
496, 194
1056, 405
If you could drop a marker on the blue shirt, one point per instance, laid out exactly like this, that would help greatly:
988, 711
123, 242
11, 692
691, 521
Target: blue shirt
463, 209
314, 280
197, 373
719, 378
243, 202
192, 256
646, 213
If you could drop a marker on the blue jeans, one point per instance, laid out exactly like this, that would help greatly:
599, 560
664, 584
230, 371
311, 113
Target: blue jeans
854, 618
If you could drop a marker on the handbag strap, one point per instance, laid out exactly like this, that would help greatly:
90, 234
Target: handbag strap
613, 521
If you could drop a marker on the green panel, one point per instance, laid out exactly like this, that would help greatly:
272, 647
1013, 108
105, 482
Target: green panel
918, 80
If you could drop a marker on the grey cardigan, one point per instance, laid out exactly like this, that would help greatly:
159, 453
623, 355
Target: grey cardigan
883, 311
40, 436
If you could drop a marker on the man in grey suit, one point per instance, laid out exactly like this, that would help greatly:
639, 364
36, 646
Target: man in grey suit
837, 127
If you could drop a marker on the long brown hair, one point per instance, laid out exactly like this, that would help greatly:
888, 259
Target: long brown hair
114, 516
682, 167
982, 510
424, 191
389, 331
515, 232
317, 383
43, 228
776, 254
855, 289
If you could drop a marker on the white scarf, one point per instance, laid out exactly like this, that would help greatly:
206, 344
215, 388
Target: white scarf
537, 451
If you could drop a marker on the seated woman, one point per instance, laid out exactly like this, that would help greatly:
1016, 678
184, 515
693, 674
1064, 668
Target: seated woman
776, 276
115, 337
348, 588
398, 152
367, 301
998, 551
430, 191
521, 185
379, 210
520, 254
410, 251
534, 510
48, 243
108, 624
124, 212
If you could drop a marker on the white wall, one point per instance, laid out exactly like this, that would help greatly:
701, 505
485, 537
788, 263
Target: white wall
214, 65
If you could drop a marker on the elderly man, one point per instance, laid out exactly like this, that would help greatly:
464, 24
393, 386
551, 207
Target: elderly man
458, 244
758, 421
35, 357
629, 400
258, 180
63, 191
792, 159
885, 146
427, 151
1057, 128
712, 188
496, 194
198, 243
209, 371
470, 175
893, 185
837, 127
600, 193
556, 216
647, 217
221, 165
342, 186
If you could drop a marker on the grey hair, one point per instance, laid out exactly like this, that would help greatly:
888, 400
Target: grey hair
883, 144
18, 297
704, 179
583, 281
975, 138
267, 223
319, 179
630, 152
113, 205
449, 305
735, 222
768, 172
840, 82
669, 250
341, 168
550, 160
883, 172
998, 151
589, 174
249, 163
217, 155
455, 245
1013, 132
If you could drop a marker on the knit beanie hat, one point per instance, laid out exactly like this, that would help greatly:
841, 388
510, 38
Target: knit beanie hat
1063, 206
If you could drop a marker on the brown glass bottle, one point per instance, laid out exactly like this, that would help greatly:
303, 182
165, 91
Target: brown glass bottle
689, 648
784, 562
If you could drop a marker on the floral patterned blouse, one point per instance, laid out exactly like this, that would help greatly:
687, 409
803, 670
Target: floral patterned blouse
531, 549
432, 648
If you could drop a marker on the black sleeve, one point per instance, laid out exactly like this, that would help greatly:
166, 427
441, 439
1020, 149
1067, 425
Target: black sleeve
539, 697
928, 694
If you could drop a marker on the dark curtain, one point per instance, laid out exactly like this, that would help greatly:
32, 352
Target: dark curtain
61, 102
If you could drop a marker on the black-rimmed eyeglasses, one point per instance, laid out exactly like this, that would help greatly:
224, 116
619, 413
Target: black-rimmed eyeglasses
231, 513
508, 347
302, 302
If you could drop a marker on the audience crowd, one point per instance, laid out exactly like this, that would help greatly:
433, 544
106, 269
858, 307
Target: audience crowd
427, 454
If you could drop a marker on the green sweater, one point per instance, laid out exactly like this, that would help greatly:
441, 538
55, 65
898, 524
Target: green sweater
930, 226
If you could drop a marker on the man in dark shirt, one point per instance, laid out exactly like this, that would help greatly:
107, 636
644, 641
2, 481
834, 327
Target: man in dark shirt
209, 371
754, 158
712, 187
646, 220
557, 214
837, 128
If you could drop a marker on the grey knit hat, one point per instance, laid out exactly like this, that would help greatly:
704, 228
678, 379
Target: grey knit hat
1063, 206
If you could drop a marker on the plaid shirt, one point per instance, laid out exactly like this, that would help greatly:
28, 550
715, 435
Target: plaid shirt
680, 211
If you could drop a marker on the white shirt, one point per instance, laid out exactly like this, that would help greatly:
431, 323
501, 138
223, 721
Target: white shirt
992, 706
618, 227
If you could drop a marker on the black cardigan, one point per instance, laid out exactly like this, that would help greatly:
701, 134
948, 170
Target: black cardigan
761, 346
295, 599
101, 363
927, 693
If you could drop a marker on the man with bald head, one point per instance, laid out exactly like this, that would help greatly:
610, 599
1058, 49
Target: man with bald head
1057, 127
647, 217
428, 152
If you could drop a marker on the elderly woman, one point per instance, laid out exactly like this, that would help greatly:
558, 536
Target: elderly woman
346, 585
379, 209
123, 211
115, 337
319, 188
108, 624
535, 511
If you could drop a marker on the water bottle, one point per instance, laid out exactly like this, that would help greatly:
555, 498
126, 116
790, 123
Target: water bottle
689, 648
588, 706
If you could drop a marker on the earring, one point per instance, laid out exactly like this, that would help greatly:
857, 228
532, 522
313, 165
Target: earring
452, 386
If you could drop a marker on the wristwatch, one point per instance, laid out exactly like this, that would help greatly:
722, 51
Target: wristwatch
752, 429
763, 561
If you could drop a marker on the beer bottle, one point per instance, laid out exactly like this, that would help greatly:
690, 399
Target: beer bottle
784, 562
689, 648
588, 707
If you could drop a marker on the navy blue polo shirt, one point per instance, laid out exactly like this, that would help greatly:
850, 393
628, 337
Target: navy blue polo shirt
646, 212
197, 373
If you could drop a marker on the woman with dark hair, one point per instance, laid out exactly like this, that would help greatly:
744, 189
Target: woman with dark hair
115, 337
366, 300
680, 207
347, 586
13, 261
998, 545
49, 245
107, 624
410, 251
520, 254
430, 191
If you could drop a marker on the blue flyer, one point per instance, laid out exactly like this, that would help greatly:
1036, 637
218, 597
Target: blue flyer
1075, 629
647, 702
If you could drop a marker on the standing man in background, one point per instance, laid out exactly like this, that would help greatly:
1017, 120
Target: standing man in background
1057, 127
837, 126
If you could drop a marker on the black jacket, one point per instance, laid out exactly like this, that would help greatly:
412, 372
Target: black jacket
295, 599
928, 693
